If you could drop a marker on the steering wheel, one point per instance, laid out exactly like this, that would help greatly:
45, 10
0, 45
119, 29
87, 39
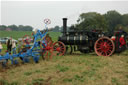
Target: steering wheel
47, 21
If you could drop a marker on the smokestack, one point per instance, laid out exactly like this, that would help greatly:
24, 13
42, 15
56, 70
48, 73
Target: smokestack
64, 26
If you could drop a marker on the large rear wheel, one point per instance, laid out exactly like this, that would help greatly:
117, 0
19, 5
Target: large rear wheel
104, 46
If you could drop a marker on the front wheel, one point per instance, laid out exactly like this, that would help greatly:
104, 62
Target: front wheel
59, 48
104, 46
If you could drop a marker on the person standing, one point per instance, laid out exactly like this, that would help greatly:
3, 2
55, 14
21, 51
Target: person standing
9, 45
1, 47
13, 47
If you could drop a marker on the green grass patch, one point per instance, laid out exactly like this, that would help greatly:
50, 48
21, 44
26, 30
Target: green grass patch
115, 81
126, 76
37, 71
27, 73
4, 82
38, 81
67, 80
62, 68
79, 78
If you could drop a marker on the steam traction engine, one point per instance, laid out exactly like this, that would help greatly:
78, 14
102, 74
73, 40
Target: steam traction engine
104, 44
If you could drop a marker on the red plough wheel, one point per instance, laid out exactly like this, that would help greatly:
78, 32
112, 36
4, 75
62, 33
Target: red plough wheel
59, 48
47, 48
104, 46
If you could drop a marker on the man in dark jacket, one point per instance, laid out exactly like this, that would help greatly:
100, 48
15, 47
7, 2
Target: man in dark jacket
9, 45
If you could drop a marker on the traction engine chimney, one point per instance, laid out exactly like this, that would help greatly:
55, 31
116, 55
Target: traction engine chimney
64, 26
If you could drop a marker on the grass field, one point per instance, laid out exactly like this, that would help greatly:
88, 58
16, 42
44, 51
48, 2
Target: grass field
20, 34
75, 69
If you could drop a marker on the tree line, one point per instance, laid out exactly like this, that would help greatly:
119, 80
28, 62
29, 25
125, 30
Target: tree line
110, 21
16, 28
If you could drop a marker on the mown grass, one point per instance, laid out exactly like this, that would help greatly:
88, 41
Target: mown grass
75, 69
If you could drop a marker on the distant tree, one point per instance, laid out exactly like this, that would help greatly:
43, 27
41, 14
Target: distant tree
2, 27
25, 28
72, 27
21, 27
113, 19
16, 28
13, 27
125, 19
91, 21
61, 28
56, 29
28, 28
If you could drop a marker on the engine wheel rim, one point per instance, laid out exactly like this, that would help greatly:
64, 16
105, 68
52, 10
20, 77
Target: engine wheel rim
104, 46
59, 48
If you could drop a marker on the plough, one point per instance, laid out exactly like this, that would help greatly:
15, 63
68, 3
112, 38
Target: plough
42, 46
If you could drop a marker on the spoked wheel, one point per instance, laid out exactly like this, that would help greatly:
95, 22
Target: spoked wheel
59, 48
104, 46
47, 48
26, 39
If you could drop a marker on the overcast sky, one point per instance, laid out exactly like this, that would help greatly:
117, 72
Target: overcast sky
34, 12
